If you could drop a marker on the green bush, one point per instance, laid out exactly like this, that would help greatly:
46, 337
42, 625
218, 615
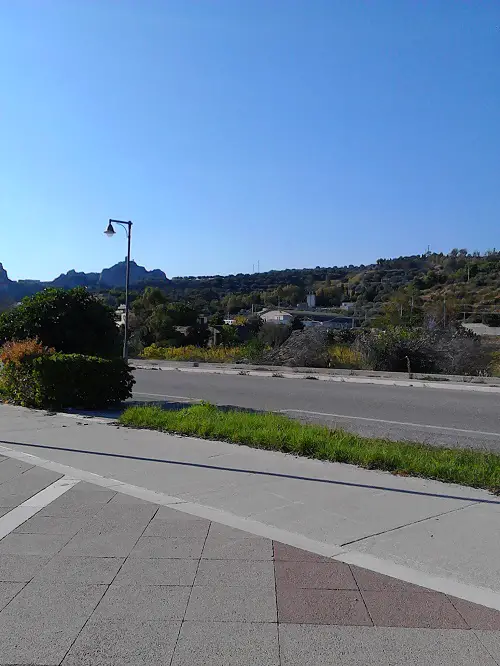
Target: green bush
72, 321
66, 380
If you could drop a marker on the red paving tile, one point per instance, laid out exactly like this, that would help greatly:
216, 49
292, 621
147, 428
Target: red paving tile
284, 553
312, 589
394, 608
315, 575
375, 582
477, 617
312, 606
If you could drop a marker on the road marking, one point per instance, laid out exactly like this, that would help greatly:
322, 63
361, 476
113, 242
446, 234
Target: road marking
173, 397
400, 423
479, 595
34, 504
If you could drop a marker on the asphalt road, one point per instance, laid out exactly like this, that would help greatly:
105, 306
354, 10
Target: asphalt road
431, 415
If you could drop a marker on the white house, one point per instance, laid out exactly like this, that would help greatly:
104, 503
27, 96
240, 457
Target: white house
277, 317
120, 315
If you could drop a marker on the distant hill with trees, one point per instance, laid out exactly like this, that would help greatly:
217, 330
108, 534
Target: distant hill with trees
402, 290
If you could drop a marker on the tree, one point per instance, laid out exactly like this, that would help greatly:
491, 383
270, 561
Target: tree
72, 321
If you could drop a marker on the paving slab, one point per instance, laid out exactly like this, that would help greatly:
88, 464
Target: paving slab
172, 547
160, 571
491, 641
101, 545
400, 609
8, 591
32, 544
315, 575
227, 644
475, 616
317, 606
247, 573
285, 553
310, 645
114, 643
208, 593
80, 569
20, 568
153, 603
40, 624
67, 525
163, 527
226, 543
217, 603
18, 489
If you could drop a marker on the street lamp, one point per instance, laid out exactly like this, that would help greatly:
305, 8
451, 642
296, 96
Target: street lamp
110, 232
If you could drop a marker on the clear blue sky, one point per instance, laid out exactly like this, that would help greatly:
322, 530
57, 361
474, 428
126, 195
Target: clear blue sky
297, 132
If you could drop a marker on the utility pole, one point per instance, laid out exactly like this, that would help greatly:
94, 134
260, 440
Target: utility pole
444, 312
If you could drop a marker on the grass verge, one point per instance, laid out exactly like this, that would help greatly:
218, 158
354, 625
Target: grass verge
281, 433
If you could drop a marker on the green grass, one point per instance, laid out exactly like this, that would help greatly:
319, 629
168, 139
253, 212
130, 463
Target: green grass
280, 433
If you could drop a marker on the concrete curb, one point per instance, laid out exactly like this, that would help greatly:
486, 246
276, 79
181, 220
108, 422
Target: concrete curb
313, 374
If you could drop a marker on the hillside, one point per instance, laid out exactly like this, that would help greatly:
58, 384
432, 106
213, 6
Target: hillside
457, 282
437, 284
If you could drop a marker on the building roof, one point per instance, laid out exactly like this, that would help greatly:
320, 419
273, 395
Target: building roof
275, 314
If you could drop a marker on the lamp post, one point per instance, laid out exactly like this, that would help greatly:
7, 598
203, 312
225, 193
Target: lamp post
110, 232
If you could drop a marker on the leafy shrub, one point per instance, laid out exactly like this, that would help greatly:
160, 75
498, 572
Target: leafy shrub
41, 379
274, 335
70, 320
343, 356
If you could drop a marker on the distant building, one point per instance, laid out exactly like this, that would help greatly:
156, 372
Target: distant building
277, 317
120, 315
334, 323
483, 330
347, 305
311, 300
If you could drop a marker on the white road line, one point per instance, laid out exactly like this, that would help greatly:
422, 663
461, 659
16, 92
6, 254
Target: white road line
400, 423
34, 504
174, 397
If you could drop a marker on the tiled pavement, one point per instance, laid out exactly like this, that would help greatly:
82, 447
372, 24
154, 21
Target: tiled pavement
98, 577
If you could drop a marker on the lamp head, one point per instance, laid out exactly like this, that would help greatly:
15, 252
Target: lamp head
110, 231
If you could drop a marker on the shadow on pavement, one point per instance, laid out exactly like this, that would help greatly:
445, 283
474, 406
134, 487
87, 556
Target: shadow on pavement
114, 413
276, 475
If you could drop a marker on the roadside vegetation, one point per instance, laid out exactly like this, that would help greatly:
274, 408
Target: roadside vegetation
59, 349
280, 433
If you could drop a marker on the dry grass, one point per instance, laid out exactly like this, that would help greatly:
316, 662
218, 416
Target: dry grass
192, 353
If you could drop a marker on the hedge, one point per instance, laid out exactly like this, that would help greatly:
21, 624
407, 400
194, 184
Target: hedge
61, 380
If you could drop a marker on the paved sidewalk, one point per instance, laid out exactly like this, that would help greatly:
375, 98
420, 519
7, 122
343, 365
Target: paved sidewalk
97, 577
437, 535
